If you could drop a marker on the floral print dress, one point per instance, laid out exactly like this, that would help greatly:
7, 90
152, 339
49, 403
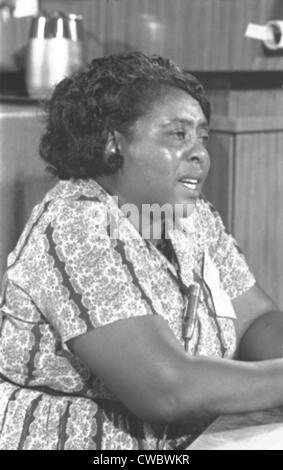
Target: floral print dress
80, 264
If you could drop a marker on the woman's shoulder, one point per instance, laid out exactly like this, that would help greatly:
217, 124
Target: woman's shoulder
68, 206
81, 204
74, 197
75, 189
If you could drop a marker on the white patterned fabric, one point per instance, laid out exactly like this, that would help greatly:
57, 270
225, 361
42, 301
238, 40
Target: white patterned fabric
66, 276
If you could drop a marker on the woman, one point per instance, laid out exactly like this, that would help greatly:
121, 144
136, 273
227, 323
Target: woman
93, 333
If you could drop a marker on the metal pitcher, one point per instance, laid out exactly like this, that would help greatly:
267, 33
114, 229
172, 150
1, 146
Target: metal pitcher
55, 49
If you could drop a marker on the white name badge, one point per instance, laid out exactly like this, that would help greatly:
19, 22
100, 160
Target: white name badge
222, 303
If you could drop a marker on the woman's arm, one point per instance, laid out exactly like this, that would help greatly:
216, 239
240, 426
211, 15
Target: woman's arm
145, 366
259, 326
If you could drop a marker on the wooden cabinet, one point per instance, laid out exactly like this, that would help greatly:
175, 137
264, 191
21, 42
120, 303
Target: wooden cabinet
201, 35
246, 186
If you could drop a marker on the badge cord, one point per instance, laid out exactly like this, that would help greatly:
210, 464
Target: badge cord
191, 295
190, 313
188, 326
188, 319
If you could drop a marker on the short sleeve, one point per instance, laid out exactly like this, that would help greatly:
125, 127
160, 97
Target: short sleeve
88, 283
235, 275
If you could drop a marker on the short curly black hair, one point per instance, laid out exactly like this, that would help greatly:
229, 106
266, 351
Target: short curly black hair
109, 94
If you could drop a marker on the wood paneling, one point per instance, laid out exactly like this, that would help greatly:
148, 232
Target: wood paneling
245, 103
198, 34
201, 35
258, 219
245, 184
23, 180
219, 186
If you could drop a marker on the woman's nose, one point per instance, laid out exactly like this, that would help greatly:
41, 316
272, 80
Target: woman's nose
198, 154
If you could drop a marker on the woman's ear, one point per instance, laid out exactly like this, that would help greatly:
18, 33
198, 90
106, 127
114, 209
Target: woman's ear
113, 144
113, 157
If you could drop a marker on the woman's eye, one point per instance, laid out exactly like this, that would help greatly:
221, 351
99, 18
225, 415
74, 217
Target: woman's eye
180, 134
204, 139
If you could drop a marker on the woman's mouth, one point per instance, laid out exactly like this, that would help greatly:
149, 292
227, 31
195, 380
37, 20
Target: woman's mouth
190, 183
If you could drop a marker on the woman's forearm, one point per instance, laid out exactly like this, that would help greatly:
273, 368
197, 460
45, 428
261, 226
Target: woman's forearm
216, 386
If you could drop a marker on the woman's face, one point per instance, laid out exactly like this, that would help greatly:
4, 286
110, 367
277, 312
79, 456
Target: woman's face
165, 155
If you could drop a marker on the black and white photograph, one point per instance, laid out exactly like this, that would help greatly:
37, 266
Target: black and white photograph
141, 228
